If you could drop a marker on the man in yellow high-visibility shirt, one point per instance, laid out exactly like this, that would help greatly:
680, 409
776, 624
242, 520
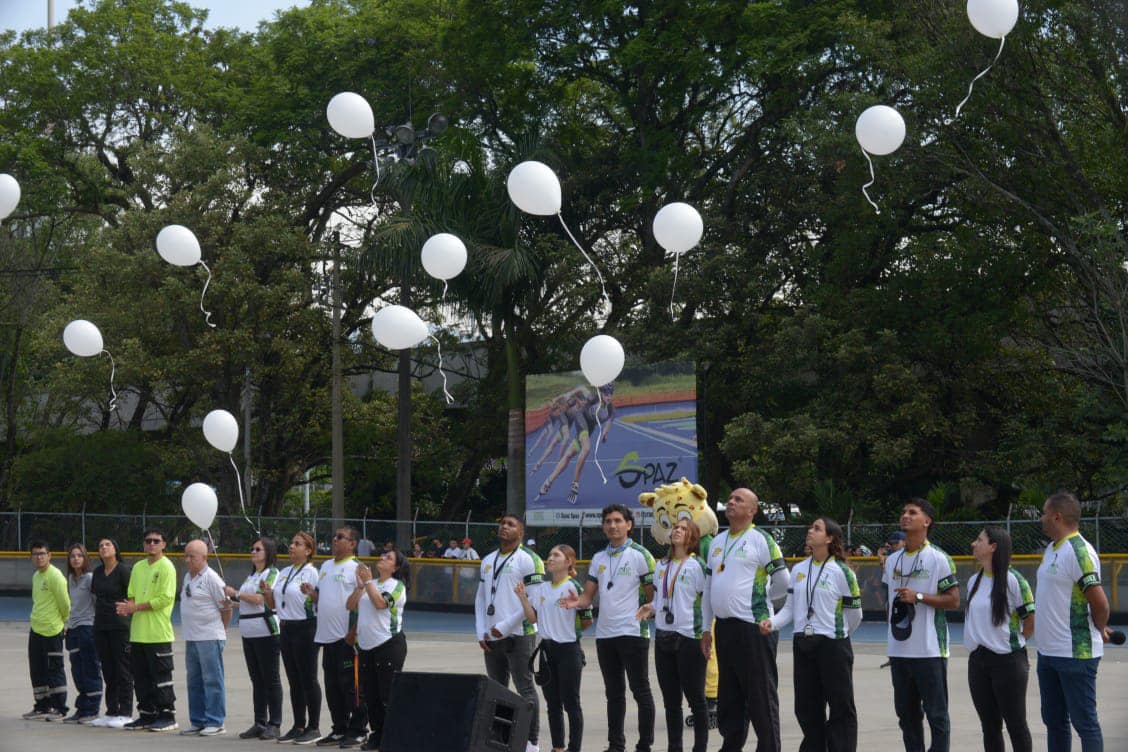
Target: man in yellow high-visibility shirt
50, 607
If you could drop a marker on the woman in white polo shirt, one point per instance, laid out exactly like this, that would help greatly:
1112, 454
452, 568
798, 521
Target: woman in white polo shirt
1000, 617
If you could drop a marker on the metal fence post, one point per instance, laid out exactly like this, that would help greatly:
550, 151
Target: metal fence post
1098, 524
84, 520
580, 534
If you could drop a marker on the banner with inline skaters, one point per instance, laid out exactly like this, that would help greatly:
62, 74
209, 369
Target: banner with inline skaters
587, 447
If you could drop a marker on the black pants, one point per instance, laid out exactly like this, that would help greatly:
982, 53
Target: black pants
509, 657
114, 653
261, 654
344, 692
299, 657
621, 657
152, 679
377, 668
681, 671
48, 677
998, 690
921, 683
747, 686
562, 693
824, 678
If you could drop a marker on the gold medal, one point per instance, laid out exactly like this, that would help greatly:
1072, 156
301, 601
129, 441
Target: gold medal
721, 568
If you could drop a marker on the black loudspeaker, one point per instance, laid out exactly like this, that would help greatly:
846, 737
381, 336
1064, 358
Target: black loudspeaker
454, 713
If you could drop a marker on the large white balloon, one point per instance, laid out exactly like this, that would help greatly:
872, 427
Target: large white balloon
880, 130
993, 18
9, 195
398, 328
221, 430
602, 359
351, 115
534, 188
178, 246
678, 227
82, 338
444, 256
200, 504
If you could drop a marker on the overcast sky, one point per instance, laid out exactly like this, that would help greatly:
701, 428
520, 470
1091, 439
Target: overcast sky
245, 14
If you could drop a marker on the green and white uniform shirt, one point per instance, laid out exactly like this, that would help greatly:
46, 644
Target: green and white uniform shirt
980, 630
824, 596
375, 626
678, 603
739, 569
290, 603
334, 586
257, 621
496, 605
622, 575
1063, 623
555, 621
927, 570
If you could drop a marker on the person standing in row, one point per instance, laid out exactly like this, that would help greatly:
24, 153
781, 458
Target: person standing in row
996, 628
149, 602
922, 585
824, 605
259, 627
336, 634
205, 613
623, 575
681, 619
1072, 625
50, 608
297, 628
560, 628
380, 602
745, 572
505, 636
85, 670
110, 583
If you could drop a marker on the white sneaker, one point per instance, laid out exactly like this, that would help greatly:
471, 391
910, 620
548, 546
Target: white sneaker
117, 721
213, 731
530, 747
100, 721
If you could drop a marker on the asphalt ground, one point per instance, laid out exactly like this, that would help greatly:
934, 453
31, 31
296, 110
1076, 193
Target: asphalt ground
457, 652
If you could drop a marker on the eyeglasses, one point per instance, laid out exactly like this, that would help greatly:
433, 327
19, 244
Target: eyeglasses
256, 549
153, 541
341, 536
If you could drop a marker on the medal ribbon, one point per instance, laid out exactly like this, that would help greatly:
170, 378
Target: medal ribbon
496, 574
731, 543
812, 586
667, 591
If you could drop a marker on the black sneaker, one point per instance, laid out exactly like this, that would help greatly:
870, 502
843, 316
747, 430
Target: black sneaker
372, 744
309, 736
138, 724
291, 735
164, 724
269, 733
351, 741
35, 714
254, 732
333, 740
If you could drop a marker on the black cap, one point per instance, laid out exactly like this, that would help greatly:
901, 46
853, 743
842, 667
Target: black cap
901, 620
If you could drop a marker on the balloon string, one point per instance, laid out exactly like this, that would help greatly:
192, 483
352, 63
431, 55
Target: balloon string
207, 314
949, 121
376, 161
599, 426
218, 559
239, 486
439, 347
871, 182
575, 242
113, 369
673, 317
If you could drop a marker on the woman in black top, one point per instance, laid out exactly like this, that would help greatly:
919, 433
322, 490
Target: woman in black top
111, 634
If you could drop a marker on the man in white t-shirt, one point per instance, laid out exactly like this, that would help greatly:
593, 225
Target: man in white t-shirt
336, 634
1071, 624
623, 575
205, 612
467, 552
452, 551
505, 636
921, 583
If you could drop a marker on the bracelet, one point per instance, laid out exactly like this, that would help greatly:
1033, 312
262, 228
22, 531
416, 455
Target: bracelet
235, 598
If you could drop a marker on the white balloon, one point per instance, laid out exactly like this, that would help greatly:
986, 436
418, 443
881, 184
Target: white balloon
199, 504
351, 115
398, 328
534, 188
993, 18
221, 430
82, 338
678, 227
444, 256
880, 130
178, 246
9, 195
602, 359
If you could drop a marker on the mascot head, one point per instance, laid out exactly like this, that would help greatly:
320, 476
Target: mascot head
675, 501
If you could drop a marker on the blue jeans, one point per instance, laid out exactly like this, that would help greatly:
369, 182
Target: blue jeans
85, 669
1069, 695
207, 701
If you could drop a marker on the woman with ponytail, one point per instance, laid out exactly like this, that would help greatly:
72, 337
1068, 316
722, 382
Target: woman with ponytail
1000, 617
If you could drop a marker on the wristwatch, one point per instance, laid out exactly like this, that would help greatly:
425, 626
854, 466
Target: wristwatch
920, 597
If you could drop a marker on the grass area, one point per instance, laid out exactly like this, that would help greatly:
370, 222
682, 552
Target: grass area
651, 417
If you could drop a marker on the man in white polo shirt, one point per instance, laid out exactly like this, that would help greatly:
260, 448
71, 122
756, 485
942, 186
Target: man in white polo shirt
922, 585
505, 636
745, 572
623, 575
1071, 625
205, 613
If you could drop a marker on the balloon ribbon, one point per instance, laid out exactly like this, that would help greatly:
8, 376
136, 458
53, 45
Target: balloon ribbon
673, 316
1002, 41
375, 161
113, 369
218, 560
602, 284
439, 347
239, 485
207, 314
872, 180
599, 426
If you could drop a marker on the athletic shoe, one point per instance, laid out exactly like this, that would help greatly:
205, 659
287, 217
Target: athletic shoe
269, 733
573, 494
35, 714
530, 747
87, 720
351, 741
163, 724
254, 732
291, 735
191, 731
117, 721
333, 740
372, 744
73, 718
213, 731
139, 724
100, 721
54, 715
309, 736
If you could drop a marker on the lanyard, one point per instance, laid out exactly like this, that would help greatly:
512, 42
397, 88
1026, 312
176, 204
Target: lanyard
731, 543
612, 553
916, 565
286, 584
812, 587
667, 591
496, 574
